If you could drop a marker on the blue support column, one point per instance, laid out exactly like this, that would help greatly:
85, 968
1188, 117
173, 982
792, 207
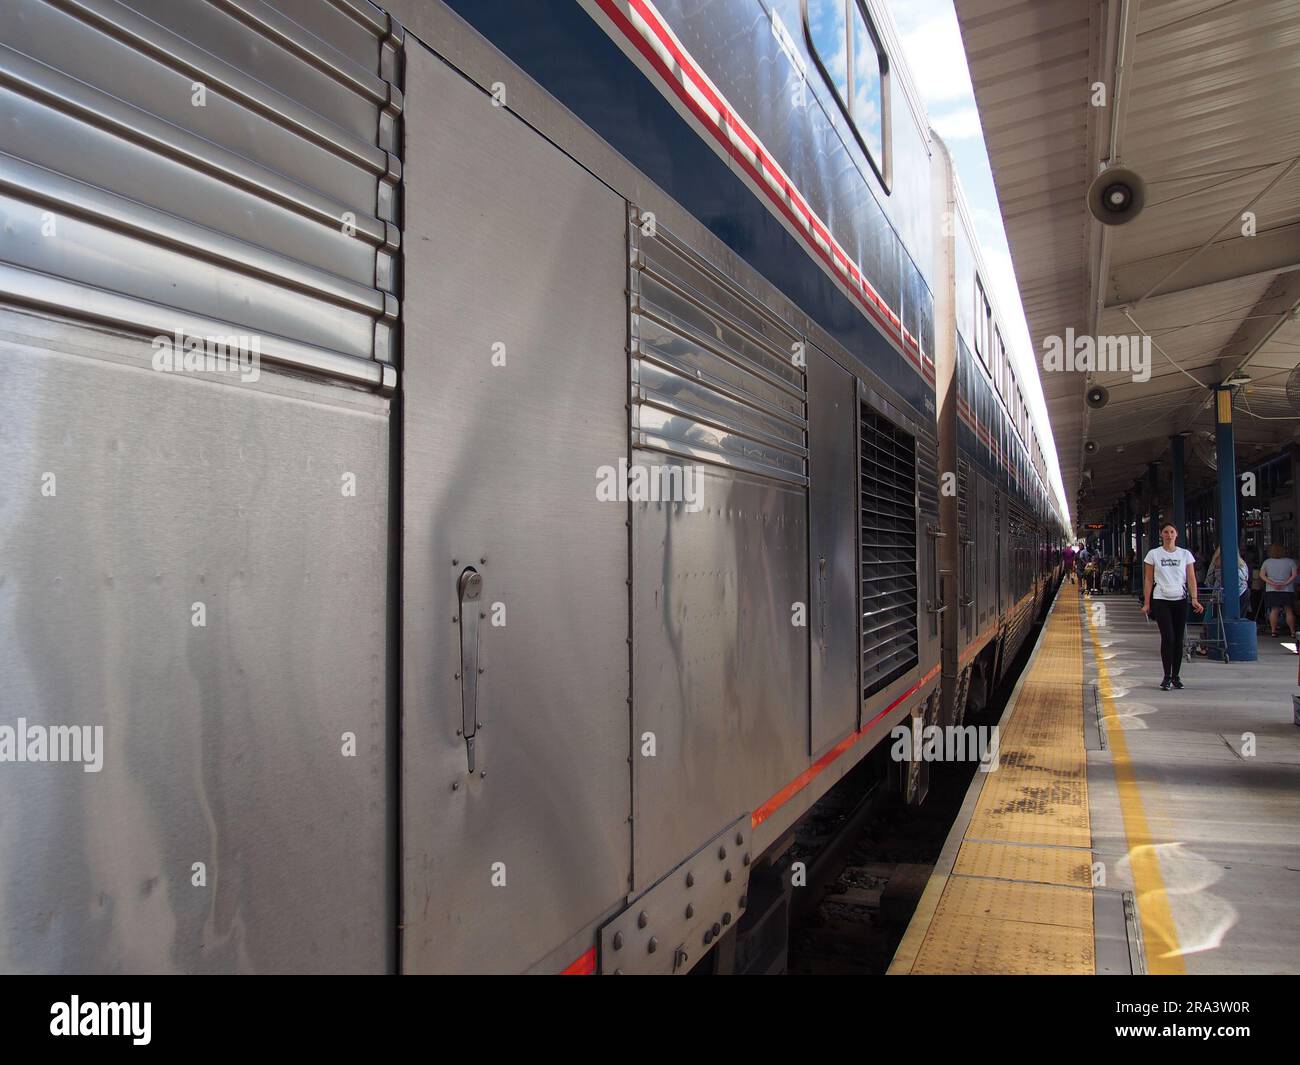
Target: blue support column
1240, 632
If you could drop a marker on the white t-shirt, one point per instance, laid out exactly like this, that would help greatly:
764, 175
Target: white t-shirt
1170, 572
1277, 569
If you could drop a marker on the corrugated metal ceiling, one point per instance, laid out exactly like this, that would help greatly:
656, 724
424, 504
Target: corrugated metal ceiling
1209, 115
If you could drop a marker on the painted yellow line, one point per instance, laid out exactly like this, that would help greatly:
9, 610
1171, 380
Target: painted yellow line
1160, 935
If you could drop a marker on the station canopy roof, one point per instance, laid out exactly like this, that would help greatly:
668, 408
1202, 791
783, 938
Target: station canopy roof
1202, 101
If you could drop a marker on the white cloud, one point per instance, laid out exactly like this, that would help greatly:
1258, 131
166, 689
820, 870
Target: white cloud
962, 124
937, 59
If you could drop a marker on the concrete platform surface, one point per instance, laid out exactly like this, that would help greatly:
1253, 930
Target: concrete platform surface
1127, 829
1195, 802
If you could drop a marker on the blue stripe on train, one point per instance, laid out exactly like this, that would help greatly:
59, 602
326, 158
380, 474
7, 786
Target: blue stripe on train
570, 56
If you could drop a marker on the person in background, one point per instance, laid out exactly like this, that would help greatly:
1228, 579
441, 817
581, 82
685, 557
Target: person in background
1169, 578
1214, 579
1256, 585
1067, 559
1278, 574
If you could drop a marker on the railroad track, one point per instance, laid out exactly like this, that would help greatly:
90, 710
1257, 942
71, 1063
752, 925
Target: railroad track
867, 857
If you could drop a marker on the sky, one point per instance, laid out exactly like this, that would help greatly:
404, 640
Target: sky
937, 62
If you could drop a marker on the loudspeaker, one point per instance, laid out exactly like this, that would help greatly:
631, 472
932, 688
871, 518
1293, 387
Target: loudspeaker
1096, 397
1116, 196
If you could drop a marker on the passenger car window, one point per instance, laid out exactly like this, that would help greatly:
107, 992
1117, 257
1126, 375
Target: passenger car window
828, 35
868, 86
855, 66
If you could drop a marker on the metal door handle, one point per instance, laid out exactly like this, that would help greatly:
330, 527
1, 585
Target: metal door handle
469, 589
821, 599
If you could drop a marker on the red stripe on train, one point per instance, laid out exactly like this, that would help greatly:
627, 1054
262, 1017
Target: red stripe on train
801, 781
867, 296
584, 966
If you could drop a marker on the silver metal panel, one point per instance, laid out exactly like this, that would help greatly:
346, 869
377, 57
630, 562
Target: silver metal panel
100, 258
715, 375
31, 289
674, 924
149, 67
510, 243
226, 122
186, 185
966, 558
348, 25
483, 64
720, 672
985, 549
833, 606
222, 743
341, 84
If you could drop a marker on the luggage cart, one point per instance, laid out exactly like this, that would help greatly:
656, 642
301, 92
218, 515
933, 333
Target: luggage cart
1211, 635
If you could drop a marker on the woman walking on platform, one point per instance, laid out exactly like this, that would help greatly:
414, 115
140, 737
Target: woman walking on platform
1169, 573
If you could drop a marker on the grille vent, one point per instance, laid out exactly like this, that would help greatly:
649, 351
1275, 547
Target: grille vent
887, 514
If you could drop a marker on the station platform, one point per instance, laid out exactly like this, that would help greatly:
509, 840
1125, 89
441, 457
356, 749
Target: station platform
1125, 829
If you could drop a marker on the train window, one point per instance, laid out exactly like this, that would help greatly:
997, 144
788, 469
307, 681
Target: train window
999, 362
868, 111
983, 324
826, 23
849, 54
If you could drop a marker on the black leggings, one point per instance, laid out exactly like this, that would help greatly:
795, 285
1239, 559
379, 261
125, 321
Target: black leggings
1171, 616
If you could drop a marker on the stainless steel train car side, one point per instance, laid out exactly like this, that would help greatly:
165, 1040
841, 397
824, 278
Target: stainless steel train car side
751, 717
196, 564
1001, 548
385, 680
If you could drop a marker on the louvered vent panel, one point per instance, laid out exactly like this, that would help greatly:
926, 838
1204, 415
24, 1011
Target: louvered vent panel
213, 168
887, 508
716, 376
963, 486
965, 548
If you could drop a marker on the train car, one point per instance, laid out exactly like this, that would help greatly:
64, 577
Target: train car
1002, 535
475, 475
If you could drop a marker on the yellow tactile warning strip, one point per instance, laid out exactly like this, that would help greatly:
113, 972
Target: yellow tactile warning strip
1019, 898
1159, 933
1029, 865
